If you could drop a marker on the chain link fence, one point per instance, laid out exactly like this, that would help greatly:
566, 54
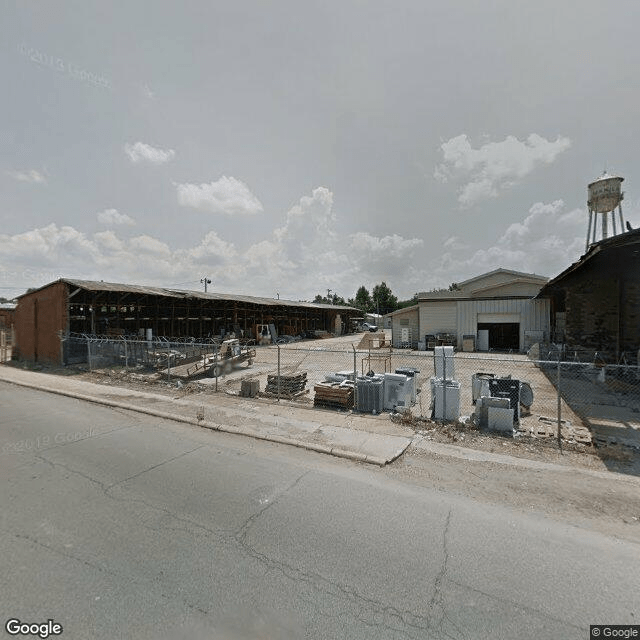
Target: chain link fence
549, 397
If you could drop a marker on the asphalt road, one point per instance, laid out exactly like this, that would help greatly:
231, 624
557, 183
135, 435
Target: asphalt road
119, 525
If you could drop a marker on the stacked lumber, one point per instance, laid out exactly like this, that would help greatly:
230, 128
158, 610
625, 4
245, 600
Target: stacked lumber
333, 395
290, 386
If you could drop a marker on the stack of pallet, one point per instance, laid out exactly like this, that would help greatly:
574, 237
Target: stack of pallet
290, 386
333, 395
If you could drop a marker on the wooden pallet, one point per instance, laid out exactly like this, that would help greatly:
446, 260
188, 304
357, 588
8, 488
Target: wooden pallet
333, 396
289, 384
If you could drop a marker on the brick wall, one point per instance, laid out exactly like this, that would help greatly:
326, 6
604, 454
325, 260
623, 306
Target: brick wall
603, 312
40, 316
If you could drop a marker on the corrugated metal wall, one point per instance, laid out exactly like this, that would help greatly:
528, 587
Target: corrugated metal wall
438, 317
534, 315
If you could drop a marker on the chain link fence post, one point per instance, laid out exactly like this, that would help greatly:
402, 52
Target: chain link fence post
355, 377
559, 404
126, 353
278, 346
444, 386
89, 353
216, 369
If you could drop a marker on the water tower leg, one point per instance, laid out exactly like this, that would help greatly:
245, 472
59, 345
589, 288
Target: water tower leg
586, 247
604, 226
621, 220
613, 222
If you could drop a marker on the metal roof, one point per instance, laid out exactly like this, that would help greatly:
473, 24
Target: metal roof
94, 285
605, 176
398, 312
620, 240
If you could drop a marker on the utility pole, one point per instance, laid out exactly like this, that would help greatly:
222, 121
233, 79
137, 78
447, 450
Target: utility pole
205, 281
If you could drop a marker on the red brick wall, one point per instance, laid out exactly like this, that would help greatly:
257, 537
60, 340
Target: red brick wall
40, 316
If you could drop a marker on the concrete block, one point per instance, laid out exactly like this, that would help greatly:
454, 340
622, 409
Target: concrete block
249, 388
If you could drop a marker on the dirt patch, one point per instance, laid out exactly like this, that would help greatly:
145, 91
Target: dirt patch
573, 495
620, 458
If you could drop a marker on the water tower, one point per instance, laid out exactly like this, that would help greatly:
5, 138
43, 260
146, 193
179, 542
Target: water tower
605, 194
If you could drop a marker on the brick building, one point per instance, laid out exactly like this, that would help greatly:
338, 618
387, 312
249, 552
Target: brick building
595, 303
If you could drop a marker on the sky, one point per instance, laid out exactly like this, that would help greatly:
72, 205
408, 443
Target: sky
291, 147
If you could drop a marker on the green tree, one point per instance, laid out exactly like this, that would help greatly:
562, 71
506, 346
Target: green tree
383, 299
332, 299
363, 300
402, 304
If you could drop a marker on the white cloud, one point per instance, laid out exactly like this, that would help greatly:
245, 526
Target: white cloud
383, 258
453, 242
108, 241
27, 176
546, 241
113, 217
227, 195
304, 256
213, 250
140, 152
494, 166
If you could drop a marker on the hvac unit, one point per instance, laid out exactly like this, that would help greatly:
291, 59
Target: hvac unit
370, 394
507, 388
445, 399
412, 379
480, 385
397, 392
443, 362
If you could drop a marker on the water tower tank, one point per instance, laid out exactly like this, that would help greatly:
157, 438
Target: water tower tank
605, 193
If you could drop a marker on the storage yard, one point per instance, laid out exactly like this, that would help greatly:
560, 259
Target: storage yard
597, 415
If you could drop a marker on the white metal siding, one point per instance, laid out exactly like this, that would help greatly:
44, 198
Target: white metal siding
396, 332
438, 317
533, 315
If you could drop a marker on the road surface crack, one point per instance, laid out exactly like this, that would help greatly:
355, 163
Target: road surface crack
155, 466
243, 531
437, 603
371, 612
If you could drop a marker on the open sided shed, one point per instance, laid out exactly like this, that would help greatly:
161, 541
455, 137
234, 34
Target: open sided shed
45, 316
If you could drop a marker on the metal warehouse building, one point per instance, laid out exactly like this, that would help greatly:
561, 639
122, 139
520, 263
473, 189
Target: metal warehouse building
498, 310
44, 317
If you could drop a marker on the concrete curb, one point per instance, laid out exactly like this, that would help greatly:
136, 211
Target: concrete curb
319, 448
